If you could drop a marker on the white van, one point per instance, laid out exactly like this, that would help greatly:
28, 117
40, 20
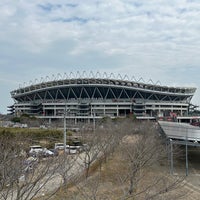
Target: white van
59, 146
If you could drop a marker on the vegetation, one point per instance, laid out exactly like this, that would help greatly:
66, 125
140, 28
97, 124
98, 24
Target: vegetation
16, 119
123, 159
45, 137
32, 133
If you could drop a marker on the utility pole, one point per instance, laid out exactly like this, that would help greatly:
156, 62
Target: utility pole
186, 153
94, 121
171, 152
64, 132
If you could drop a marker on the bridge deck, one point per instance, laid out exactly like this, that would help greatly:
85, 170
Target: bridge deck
180, 134
181, 131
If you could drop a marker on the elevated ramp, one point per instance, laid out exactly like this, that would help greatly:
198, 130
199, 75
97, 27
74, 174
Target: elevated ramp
180, 131
180, 134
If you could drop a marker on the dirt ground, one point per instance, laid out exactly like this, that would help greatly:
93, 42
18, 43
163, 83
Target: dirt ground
109, 187
192, 181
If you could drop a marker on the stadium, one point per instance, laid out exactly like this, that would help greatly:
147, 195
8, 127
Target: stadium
83, 96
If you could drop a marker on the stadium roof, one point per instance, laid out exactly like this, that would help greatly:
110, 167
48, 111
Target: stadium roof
99, 79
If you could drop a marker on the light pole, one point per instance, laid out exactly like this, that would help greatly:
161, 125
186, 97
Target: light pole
186, 153
171, 151
94, 121
64, 132
64, 137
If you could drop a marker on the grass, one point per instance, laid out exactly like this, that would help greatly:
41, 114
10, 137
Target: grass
27, 137
33, 133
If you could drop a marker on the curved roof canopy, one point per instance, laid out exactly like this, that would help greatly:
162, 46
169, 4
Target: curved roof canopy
99, 87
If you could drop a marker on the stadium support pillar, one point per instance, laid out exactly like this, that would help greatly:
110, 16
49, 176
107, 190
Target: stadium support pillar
54, 111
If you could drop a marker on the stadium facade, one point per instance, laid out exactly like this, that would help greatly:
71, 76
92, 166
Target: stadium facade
83, 96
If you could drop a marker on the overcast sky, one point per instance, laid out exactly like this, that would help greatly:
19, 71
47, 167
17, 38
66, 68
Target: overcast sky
152, 39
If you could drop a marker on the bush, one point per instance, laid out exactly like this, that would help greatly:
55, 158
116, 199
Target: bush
31, 134
16, 120
69, 133
25, 115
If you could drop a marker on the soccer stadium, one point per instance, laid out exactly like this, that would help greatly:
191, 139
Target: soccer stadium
83, 96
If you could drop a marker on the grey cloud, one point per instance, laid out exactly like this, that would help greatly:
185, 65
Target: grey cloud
155, 39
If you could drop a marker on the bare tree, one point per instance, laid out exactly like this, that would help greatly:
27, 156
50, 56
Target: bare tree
91, 152
68, 167
101, 144
22, 178
138, 172
141, 151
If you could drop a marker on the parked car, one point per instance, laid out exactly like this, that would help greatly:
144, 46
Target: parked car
35, 150
47, 153
59, 146
55, 152
78, 145
71, 149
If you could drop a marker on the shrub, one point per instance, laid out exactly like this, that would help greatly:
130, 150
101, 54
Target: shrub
16, 120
